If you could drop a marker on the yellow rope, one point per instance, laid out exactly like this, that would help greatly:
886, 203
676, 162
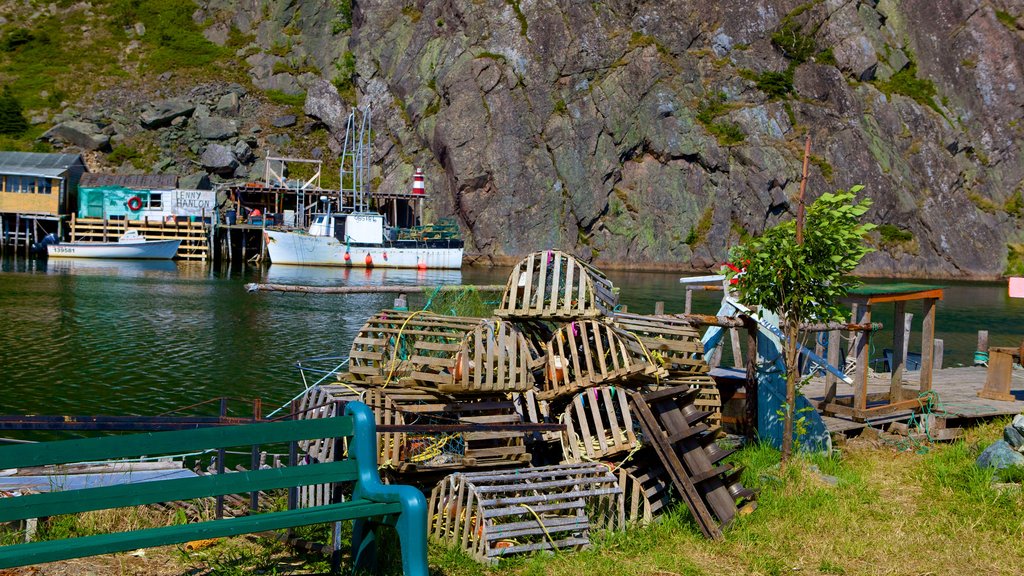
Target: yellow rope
398, 342
554, 547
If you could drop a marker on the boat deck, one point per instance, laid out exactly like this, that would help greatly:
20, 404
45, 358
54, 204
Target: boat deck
956, 388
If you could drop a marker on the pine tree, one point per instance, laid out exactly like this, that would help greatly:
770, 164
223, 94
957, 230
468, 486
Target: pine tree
12, 121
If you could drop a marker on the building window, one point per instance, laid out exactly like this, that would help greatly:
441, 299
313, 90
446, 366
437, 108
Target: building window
156, 201
43, 186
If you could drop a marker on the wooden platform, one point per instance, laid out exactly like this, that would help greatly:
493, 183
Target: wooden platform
956, 388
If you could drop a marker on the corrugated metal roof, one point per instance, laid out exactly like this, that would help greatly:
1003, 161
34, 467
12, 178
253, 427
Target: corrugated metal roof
36, 164
132, 181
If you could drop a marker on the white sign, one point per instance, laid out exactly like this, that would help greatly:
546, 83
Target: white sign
189, 202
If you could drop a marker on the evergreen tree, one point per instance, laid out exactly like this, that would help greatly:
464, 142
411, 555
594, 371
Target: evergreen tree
12, 121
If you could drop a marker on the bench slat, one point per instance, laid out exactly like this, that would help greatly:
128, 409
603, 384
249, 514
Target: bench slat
148, 444
102, 498
53, 550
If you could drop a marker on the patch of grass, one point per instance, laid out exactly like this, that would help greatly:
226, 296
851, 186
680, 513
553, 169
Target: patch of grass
345, 78
523, 26
1014, 205
983, 203
892, 235
823, 165
906, 82
412, 13
826, 57
489, 55
792, 42
711, 107
728, 133
699, 233
343, 21
775, 84
1007, 19
121, 154
176, 42
1014, 260
285, 99
560, 107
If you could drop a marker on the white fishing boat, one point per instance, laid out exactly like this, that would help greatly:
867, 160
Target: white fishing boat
130, 246
350, 234
362, 239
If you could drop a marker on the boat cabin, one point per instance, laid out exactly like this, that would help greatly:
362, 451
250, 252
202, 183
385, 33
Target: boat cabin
350, 228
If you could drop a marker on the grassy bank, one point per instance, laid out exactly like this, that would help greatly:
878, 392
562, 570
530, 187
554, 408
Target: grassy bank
869, 509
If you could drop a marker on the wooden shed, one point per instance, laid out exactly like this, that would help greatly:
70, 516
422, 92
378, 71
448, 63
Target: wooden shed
39, 184
555, 286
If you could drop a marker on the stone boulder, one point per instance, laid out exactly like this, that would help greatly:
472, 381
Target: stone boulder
323, 103
163, 112
286, 121
1013, 437
227, 104
1000, 455
195, 181
219, 159
216, 128
85, 135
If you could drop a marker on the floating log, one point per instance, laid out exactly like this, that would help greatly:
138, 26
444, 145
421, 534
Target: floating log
373, 289
553, 285
503, 513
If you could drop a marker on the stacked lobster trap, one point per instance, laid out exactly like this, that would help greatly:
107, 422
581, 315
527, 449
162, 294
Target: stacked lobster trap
453, 398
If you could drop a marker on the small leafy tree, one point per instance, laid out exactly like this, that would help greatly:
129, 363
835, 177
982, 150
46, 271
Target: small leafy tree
12, 121
803, 281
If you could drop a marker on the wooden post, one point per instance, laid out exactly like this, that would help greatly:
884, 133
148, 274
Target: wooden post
833, 359
659, 308
737, 356
937, 362
927, 343
751, 384
220, 459
899, 347
982, 345
689, 300
860, 379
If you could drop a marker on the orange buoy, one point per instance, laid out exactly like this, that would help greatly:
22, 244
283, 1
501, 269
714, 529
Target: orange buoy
347, 257
556, 369
369, 260
422, 265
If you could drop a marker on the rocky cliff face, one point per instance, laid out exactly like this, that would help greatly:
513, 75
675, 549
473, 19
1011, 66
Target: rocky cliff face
657, 134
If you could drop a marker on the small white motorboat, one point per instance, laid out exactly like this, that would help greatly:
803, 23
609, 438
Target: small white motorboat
131, 246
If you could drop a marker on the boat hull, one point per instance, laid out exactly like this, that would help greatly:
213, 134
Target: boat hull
151, 250
307, 250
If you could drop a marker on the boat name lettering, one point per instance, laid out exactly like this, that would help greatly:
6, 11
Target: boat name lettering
62, 249
365, 218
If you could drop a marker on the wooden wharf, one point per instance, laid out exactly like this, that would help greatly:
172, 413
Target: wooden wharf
956, 398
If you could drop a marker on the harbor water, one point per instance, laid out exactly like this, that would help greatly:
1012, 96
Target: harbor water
93, 337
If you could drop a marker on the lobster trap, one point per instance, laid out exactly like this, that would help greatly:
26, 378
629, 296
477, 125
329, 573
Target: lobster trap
414, 428
448, 353
645, 492
553, 285
502, 513
598, 425
585, 353
673, 343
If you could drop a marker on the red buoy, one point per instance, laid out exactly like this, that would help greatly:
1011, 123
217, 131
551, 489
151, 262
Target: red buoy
347, 257
421, 266
369, 260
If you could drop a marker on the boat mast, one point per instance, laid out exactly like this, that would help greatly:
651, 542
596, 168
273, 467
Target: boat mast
355, 159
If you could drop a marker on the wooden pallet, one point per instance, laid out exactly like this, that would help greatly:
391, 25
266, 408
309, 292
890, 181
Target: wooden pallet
553, 285
674, 343
686, 447
503, 513
586, 353
646, 493
194, 236
598, 425
451, 354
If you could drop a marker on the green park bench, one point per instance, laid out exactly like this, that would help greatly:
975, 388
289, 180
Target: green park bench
371, 505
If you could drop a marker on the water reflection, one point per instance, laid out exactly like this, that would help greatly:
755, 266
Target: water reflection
329, 276
101, 267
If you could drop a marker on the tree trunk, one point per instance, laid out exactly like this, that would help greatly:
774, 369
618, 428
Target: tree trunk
792, 375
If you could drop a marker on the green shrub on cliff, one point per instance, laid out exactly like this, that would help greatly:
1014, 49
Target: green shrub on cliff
12, 121
907, 83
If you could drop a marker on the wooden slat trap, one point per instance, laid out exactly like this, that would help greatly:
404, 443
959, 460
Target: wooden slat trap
501, 513
598, 425
433, 451
451, 354
646, 493
585, 353
673, 343
686, 446
708, 398
535, 411
555, 286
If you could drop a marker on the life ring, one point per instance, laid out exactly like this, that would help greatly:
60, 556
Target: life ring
134, 203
